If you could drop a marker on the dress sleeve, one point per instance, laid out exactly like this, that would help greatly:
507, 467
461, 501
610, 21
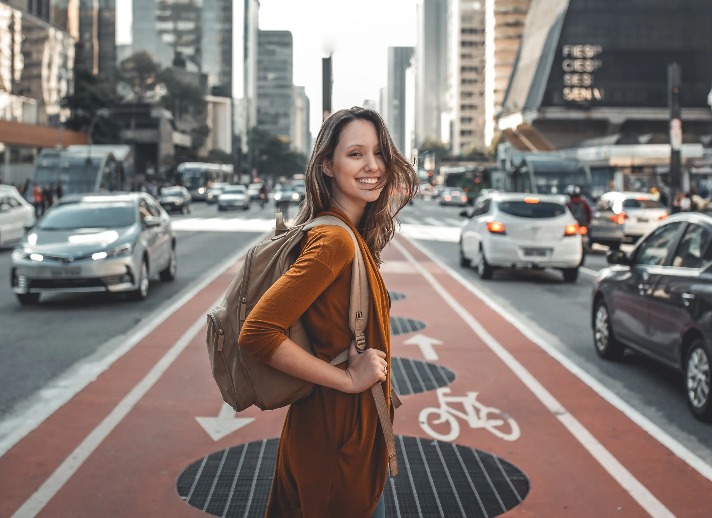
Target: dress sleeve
327, 253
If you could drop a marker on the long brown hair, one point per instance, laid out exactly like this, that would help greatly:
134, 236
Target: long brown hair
378, 224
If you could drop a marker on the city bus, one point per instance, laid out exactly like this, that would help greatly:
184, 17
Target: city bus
84, 169
198, 176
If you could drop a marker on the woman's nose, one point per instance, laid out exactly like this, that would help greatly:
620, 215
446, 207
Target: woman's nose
371, 163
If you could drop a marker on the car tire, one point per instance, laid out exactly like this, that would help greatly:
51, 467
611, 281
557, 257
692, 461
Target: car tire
28, 299
169, 272
697, 379
464, 261
143, 283
570, 274
484, 270
606, 344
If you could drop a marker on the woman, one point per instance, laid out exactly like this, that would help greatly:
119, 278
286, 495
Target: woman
332, 458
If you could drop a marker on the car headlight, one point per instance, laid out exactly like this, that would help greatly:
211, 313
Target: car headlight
277, 197
295, 196
20, 254
119, 251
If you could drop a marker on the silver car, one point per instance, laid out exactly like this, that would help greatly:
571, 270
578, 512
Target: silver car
234, 197
109, 242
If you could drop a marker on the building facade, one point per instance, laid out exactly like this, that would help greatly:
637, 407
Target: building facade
587, 70
36, 73
302, 136
466, 75
198, 32
399, 60
431, 57
504, 23
275, 98
92, 24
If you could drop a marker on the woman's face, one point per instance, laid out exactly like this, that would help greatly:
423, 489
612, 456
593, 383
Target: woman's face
358, 169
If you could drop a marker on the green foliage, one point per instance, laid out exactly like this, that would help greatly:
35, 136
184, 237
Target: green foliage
273, 157
92, 93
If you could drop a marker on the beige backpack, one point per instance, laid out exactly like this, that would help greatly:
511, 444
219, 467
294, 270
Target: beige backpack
244, 381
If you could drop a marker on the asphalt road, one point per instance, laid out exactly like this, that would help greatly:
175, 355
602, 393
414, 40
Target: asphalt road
40, 344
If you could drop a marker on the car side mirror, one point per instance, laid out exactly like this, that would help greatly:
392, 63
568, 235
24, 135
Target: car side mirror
465, 214
617, 257
151, 221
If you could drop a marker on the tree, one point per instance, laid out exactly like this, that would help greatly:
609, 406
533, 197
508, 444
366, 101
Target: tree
92, 93
273, 157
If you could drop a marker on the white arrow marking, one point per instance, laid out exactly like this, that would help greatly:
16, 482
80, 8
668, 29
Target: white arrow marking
224, 424
426, 345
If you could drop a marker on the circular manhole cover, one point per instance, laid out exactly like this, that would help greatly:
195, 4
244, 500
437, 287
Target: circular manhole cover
403, 325
410, 376
396, 295
435, 479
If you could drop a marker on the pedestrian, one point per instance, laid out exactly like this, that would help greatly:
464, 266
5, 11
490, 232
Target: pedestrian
332, 459
59, 191
38, 200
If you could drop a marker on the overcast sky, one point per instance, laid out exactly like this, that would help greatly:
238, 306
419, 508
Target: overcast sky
358, 32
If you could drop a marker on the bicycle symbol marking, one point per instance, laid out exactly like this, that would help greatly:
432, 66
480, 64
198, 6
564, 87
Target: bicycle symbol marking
476, 415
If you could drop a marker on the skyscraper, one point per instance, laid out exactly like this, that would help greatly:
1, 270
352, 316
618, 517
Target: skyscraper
431, 63
92, 24
398, 62
197, 31
275, 98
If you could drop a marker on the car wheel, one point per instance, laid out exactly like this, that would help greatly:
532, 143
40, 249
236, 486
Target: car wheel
606, 344
570, 274
169, 272
143, 283
464, 261
28, 299
484, 270
697, 380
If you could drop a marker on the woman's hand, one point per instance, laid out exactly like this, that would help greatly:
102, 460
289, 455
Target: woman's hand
365, 369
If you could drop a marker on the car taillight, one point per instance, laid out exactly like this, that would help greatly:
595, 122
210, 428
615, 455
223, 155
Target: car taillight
618, 218
662, 217
496, 227
571, 229
583, 230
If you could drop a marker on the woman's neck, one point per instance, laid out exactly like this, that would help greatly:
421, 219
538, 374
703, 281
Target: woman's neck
354, 213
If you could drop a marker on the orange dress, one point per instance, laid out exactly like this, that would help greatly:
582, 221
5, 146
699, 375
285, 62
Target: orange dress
332, 459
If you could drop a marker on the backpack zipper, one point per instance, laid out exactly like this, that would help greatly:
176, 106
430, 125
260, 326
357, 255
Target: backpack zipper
243, 294
221, 334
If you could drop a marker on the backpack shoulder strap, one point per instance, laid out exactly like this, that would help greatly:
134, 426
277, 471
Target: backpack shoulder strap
358, 309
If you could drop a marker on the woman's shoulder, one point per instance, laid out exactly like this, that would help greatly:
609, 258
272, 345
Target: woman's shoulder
331, 237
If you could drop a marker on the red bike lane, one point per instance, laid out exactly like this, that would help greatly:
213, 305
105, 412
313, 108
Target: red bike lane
491, 424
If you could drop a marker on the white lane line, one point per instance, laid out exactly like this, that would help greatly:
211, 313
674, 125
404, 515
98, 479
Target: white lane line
657, 433
81, 453
611, 464
56, 393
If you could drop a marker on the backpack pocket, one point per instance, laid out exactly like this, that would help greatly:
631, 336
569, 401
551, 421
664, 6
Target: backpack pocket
222, 348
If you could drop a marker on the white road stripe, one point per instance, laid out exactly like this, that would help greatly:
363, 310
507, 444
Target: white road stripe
610, 463
76, 459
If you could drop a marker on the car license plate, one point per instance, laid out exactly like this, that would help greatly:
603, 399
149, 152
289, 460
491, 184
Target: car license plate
642, 220
67, 272
536, 252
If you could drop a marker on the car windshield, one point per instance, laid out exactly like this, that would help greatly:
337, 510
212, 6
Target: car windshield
523, 209
88, 215
634, 203
171, 191
234, 189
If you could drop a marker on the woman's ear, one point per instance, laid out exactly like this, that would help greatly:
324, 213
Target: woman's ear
326, 167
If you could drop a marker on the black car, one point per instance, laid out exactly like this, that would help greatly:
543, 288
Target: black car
658, 301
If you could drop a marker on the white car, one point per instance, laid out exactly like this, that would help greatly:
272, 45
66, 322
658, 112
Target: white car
15, 214
517, 230
639, 212
234, 197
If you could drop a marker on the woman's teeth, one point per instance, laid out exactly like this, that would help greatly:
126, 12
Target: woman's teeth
367, 180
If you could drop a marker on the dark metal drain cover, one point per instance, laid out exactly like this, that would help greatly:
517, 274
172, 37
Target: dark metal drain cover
412, 376
403, 325
435, 479
396, 295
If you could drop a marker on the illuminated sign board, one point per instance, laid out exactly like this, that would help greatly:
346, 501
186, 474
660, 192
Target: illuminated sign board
579, 65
